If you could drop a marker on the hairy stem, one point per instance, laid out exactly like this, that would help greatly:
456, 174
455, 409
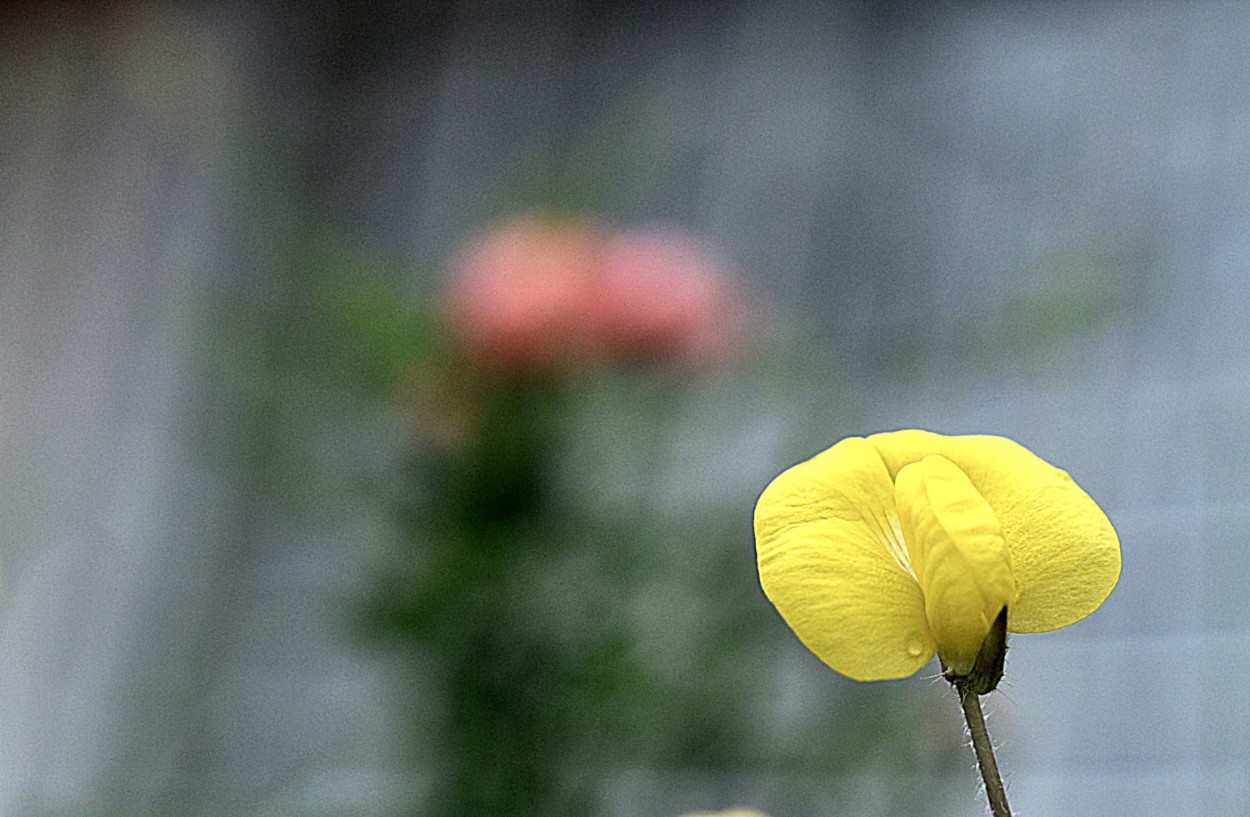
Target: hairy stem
994, 790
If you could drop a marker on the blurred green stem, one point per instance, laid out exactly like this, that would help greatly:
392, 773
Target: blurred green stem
971, 703
500, 739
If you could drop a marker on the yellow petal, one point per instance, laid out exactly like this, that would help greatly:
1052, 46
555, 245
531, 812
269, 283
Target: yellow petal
833, 561
1064, 553
958, 553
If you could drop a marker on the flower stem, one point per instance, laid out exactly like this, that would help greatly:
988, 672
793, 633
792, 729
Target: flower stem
994, 790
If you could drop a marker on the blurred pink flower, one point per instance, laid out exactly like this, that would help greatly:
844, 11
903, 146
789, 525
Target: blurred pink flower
534, 295
520, 293
665, 296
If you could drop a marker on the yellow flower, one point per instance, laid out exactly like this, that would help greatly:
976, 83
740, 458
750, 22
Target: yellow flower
730, 813
880, 551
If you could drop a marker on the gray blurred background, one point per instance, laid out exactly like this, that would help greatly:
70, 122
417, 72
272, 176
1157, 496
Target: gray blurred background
1027, 219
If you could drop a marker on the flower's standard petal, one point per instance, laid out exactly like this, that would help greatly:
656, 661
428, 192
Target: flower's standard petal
833, 561
958, 554
1065, 555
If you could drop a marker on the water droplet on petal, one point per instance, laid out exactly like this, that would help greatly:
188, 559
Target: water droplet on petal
915, 646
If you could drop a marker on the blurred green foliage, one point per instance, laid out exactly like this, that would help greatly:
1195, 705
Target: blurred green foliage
1038, 319
558, 614
1076, 288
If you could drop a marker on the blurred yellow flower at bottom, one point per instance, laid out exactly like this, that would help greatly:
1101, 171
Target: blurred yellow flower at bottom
739, 812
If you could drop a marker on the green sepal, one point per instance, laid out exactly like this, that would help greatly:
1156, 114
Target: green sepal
987, 670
